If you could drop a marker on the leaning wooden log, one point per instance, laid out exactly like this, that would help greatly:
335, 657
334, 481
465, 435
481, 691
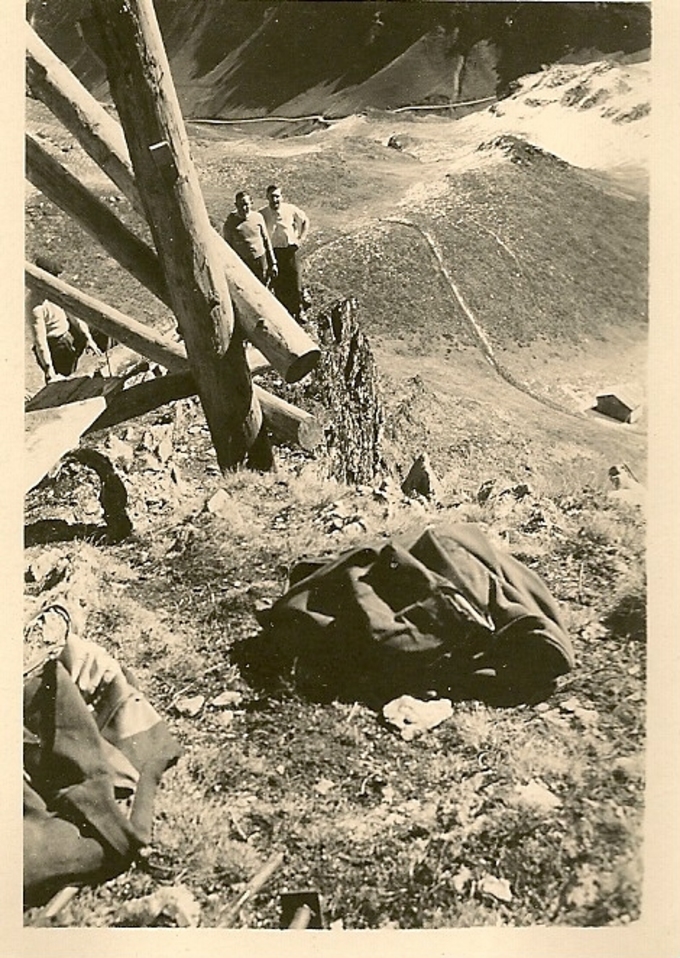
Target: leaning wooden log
289, 423
145, 397
68, 193
74, 389
262, 317
285, 422
51, 81
140, 337
268, 324
130, 42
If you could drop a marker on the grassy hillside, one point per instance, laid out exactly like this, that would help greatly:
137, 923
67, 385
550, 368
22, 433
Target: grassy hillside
537, 249
546, 798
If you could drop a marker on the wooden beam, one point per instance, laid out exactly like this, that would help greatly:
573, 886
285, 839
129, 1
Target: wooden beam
130, 333
285, 422
265, 321
66, 192
140, 82
145, 397
100, 135
290, 350
289, 423
64, 392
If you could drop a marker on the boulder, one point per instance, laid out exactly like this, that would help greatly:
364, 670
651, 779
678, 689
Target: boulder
421, 479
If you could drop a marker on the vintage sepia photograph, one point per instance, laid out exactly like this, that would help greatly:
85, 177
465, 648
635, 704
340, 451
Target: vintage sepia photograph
336, 473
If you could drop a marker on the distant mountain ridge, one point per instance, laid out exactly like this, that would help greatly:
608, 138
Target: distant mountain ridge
253, 58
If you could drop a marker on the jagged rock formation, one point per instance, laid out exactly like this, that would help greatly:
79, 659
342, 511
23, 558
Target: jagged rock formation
345, 383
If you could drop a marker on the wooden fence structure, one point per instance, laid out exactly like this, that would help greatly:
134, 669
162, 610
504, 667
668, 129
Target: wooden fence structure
217, 301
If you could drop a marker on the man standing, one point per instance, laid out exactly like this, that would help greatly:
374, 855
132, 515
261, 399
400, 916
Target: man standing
58, 340
288, 226
245, 231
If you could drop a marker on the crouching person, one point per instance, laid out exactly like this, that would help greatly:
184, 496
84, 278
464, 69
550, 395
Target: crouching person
58, 340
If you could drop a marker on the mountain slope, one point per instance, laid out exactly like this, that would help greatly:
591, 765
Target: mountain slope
257, 57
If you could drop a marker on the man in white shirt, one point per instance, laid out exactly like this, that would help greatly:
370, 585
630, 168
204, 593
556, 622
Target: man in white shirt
58, 340
287, 226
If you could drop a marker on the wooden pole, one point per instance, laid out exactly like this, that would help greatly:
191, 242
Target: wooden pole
68, 193
97, 131
286, 422
140, 82
229, 915
144, 397
290, 350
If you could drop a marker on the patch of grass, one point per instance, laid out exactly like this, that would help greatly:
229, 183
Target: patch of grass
393, 834
397, 283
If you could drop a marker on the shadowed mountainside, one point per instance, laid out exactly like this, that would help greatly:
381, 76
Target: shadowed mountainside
253, 58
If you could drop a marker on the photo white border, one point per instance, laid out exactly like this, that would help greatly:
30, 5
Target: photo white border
657, 934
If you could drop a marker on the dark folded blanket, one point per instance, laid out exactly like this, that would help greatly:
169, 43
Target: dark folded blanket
443, 611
